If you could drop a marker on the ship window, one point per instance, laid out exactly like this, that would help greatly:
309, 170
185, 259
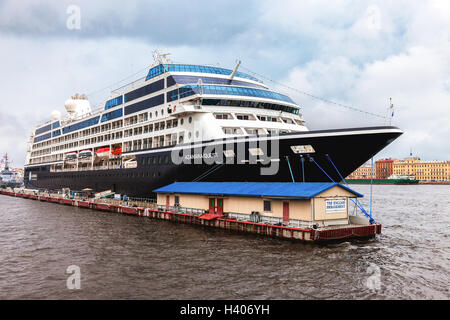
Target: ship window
159, 159
183, 79
221, 116
181, 121
190, 119
242, 117
170, 81
225, 90
160, 69
146, 90
166, 159
145, 104
113, 102
252, 104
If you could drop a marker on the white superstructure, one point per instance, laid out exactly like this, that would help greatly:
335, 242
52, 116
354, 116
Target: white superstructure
174, 104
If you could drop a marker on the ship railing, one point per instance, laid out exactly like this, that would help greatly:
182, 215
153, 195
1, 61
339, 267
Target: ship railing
142, 199
87, 169
256, 217
128, 86
183, 210
130, 202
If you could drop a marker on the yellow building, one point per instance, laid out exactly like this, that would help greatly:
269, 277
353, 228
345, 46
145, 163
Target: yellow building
423, 170
363, 172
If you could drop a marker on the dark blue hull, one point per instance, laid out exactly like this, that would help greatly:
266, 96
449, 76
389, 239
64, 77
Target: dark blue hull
347, 148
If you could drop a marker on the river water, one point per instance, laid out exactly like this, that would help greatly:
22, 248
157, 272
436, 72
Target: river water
127, 257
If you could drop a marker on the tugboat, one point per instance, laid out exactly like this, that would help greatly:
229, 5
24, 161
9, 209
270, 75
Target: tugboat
8, 178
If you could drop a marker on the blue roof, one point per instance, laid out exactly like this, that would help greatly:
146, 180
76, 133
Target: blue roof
306, 190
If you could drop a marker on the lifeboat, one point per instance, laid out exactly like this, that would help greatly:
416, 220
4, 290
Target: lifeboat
102, 153
70, 158
85, 156
117, 151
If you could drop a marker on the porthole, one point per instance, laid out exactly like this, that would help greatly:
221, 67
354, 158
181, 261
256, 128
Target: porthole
182, 121
190, 119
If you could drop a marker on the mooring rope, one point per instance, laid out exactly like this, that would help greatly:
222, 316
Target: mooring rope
357, 203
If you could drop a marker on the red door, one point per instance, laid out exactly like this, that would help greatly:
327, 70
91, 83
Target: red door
212, 205
285, 211
220, 206
167, 202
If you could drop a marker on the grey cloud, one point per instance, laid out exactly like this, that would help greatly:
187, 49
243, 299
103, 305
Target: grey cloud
43, 62
167, 22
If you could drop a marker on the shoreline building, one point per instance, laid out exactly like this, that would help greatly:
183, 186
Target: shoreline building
363, 172
410, 166
423, 170
384, 168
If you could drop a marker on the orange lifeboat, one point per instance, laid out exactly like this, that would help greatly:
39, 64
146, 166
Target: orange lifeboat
102, 152
117, 151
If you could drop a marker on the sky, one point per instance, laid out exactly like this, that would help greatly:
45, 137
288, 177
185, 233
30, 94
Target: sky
358, 54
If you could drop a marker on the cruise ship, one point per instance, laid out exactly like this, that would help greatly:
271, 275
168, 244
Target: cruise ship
191, 123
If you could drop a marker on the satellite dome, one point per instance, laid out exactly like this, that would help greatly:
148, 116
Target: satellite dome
56, 115
71, 105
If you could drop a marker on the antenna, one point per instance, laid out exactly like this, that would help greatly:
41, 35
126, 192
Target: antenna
161, 58
238, 63
199, 85
391, 111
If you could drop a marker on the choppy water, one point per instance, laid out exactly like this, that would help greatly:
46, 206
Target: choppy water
125, 257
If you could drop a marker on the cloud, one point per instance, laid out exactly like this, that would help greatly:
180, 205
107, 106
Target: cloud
357, 53
416, 80
159, 21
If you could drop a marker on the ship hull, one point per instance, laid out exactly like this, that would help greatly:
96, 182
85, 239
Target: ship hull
347, 148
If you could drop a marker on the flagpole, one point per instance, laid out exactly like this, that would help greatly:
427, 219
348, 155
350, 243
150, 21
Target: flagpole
391, 107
